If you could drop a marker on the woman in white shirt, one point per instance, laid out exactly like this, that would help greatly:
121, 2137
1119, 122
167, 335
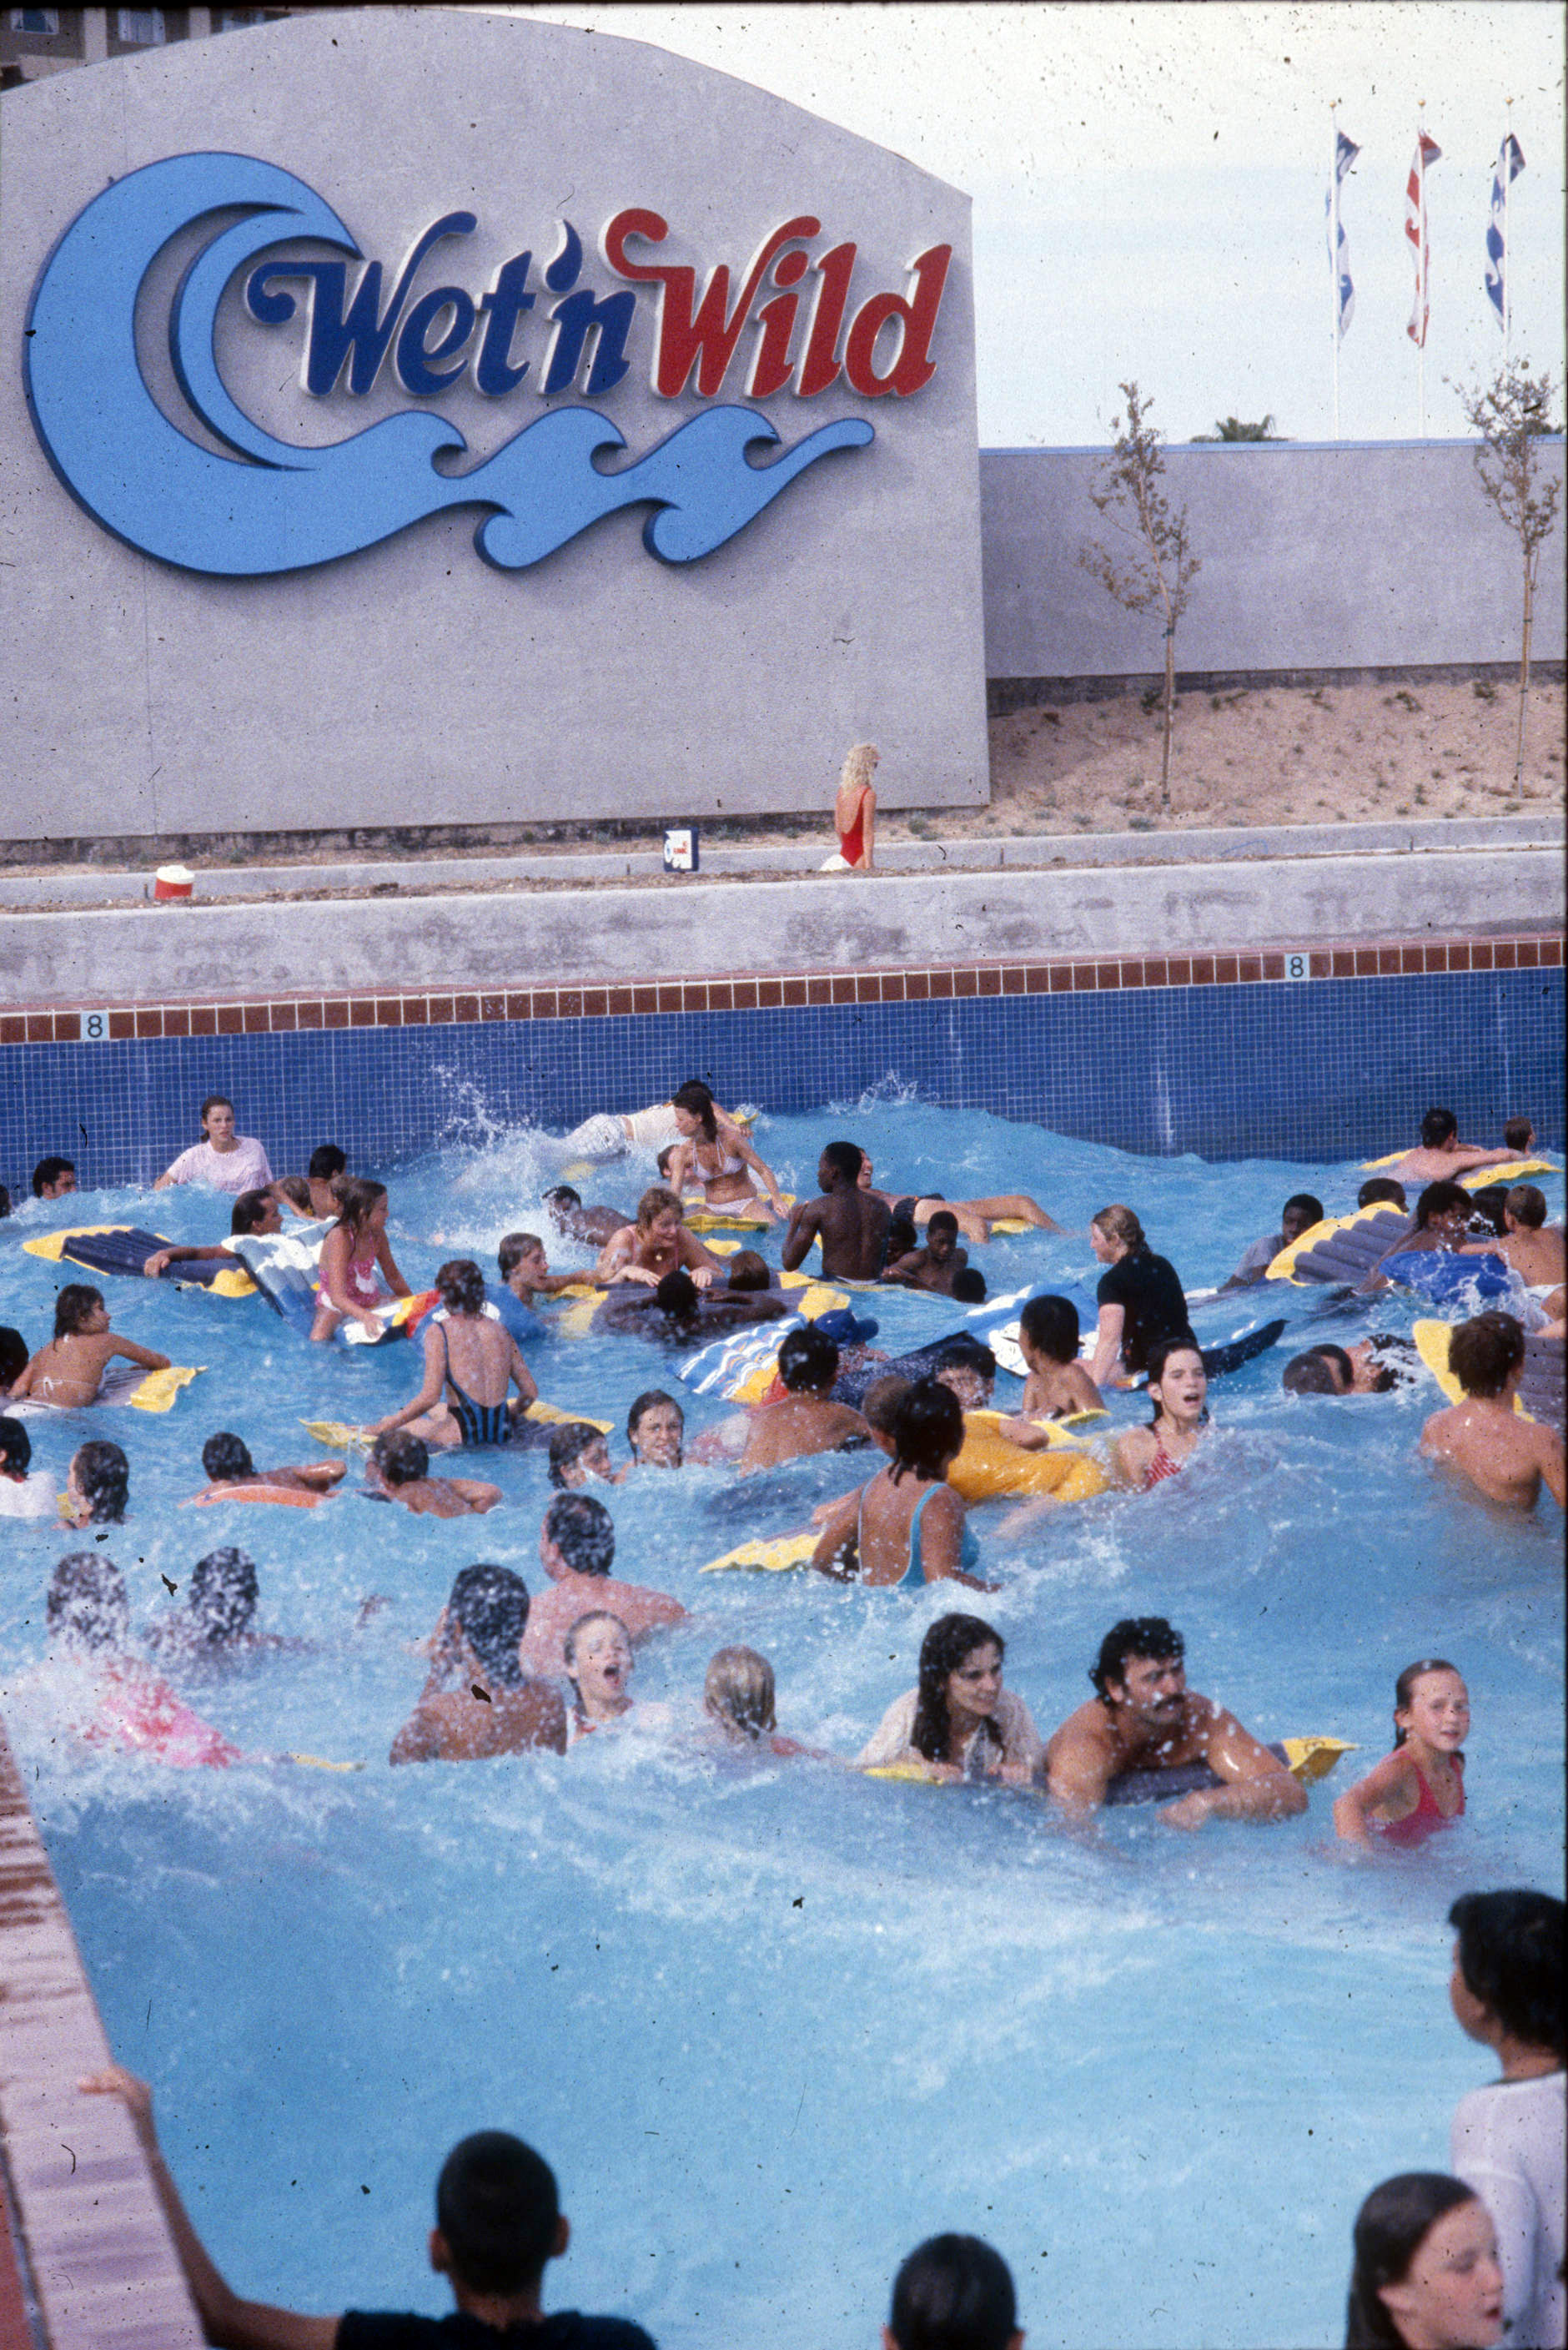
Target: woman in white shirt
227, 1160
958, 1722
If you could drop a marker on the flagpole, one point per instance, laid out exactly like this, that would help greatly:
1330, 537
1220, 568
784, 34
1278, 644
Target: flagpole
1333, 253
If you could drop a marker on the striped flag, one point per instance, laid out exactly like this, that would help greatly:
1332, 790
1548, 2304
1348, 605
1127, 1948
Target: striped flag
1509, 163
1427, 152
1345, 154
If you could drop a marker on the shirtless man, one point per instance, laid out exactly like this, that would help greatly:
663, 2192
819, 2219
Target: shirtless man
398, 1471
1441, 1156
655, 1244
1145, 1718
252, 1211
850, 1223
1529, 1245
1504, 1456
1058, 1386
935, 1266
576, 1551
68, 1370
806, 1420
975, 1217
478, 1700
1371, 1366
227, 1461
596, 1226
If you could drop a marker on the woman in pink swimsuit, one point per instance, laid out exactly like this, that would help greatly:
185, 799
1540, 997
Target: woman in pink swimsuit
353, 1252
1420, 1787
1178, 1385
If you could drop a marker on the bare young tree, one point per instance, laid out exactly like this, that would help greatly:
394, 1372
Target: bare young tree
1156, 567
1510, 416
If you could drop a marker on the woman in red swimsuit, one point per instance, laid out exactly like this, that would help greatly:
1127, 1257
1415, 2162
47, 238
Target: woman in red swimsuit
1420, 1787
1179, 1386
854, 813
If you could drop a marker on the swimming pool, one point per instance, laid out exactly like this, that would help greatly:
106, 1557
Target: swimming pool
773, 2025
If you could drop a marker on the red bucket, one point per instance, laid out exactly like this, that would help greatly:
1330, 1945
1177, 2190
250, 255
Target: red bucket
172, 881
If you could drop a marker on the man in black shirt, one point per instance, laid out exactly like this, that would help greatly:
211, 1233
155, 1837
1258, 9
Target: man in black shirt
498, 2220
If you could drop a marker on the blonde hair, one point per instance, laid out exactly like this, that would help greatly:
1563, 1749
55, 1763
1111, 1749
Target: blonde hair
1119, 1224
860, 764
575, 1630
654, 1202
739, 1691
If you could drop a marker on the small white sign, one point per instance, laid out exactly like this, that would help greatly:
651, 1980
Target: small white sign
95, 1027
680, 849
1298, 966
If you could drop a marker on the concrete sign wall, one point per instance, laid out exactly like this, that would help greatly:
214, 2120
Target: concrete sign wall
418, 418
1376, 555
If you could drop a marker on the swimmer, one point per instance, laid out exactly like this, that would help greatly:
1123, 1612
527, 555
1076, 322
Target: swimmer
610, 1134
807, 1420
958, 1721
967, 1366
879, 1410
1505, 1457
525, 1277
738, 1698
21, 1495
655, 1430
577, 1451
87, 1618
351, 1253
1178, 1389
1300, 1212
600, 1665
224, 1158
219, 1615
953, 2293
1373, 1366
98, 1486
1520, 1136
1529, 1245
596, 1226
1143, 1717
54, 1178
68, 1372
323, 1179
478, 1700
398, 1471
292, 1192
576, 1551
1139, 1297
655, 1244
934, 1266
230, 1469
677, 1314
1420, 1786
975, 1217
472, 1365
13, 1359
1379, 1191
1426, 2275
721, 1164
906, 1527
850, 1224
854, 813
1058, 1386
1443, 1214
252, 1211
1441, 1155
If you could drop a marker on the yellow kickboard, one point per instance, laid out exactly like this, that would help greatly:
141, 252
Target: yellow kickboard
552, 1415
770, 1557
158, 1391
339, 1435
1432, 1346
1515, 1171
1059, 1434
1312, 1759
1011, 1225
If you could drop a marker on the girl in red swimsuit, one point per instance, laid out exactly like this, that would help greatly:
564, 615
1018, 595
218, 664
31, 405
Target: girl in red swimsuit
854, 812
1420, 1787
1179, 1386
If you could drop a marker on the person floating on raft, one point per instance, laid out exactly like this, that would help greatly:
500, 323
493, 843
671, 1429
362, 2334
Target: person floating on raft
68, 1370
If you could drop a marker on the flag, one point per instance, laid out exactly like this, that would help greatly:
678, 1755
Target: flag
1509, 163
1345, 154
1427, 152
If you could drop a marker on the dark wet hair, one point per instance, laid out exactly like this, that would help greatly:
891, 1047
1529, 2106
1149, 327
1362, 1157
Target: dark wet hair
88, 1605
1487, 1204
947, 1643
13, 1355
1518, 1133
1379, 1187
357, 1198
1512, 1957
103, 1478
748, 1271
846, 1158
248, 1209
497, 2204
4, 1201
568, 1442
223, 1595
1052, 1327
72, 1305
15, 1444
1313, 1373
1436, 1128
647, 1401
561, 1195
1390, 2228
903, 1237
1437, 1198
226, 1458
513, 1248
968, 1285
489, 1605
402, 1457
964, 1352
943, 1217
927, 1431
1135, 1635
1405, 1687
953, 2293
1527, 1205
460, 1285
1175, 1342
1306, 1204
1485, 1352
213, 1102
677, 1294
583, 1531
49, 1170
325, 1160
808, 1360
694, 1098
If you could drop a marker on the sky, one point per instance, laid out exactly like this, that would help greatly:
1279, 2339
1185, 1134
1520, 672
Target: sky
1148, 183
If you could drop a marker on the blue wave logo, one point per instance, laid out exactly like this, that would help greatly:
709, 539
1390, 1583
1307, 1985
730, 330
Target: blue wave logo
272, 507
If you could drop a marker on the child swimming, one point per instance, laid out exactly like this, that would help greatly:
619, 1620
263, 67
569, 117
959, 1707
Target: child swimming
68, 1370
1178, 1385
1419, 1787
1058, 1384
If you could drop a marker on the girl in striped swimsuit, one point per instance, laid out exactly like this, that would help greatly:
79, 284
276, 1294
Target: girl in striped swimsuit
1179, 1386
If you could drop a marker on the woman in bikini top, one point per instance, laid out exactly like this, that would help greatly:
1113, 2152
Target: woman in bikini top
907, 1527
471, 1409
1178, 1385
721, 1160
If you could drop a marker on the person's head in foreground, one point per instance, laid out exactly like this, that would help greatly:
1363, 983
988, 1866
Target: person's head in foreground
99, 1482
460, 1284
927, 1431
659, 1213
1438, 1128
578, 1536
403, 1459
879, 1407
498, 2220
489, 1607
953, 2293
656, 1429
1049, 1327
959, 1682
676, 1295
808, 1362
1426, 2275
89, 1607
1445, 1207
1519, 1134
1142, 1666
1485, 1353
226, 1458
738, 1693
1302, 1210
1178, 1382
79, 1311
222, 1597
1524, 1205
578, 1451
1511, 1962
16, 1448
525, 1249
840, 1163
748, 1271
254, 1212
598, 1650
967, 1365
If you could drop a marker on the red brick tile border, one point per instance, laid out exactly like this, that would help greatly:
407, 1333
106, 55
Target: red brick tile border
1386, 959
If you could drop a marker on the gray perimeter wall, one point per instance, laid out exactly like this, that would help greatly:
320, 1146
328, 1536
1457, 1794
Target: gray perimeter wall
1354, 556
